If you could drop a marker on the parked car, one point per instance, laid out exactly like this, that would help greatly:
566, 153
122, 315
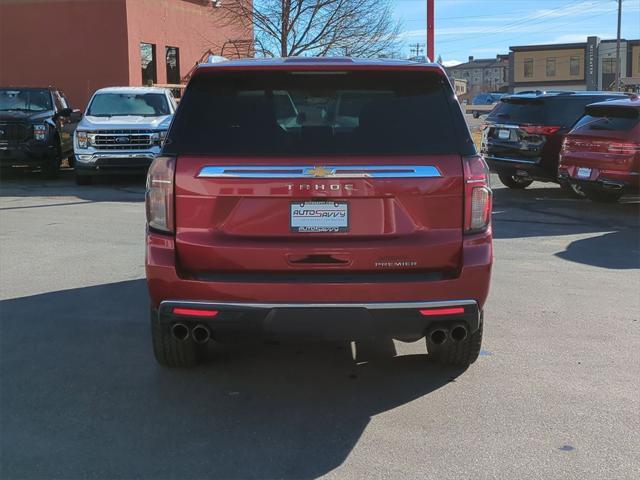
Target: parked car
379, 226
523, 135
36, 129
122, 131
483, 103
601, 154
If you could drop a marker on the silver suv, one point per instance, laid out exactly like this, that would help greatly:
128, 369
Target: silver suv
122, 131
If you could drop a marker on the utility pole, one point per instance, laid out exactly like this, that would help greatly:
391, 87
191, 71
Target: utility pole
417, 49
618, 46
431, 21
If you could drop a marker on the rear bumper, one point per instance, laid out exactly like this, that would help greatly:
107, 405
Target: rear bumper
325, 321
607, 180
512, 166
350, 305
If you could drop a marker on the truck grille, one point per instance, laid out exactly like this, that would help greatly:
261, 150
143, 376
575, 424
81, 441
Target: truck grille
122, 139
14, 133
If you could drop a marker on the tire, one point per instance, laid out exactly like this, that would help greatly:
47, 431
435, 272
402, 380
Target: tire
573, 190
514, 182
604, 196
51, 165
459, 354
84, 179
168, 351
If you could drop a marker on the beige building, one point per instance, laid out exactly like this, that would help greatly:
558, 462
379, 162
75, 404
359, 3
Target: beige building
590, 65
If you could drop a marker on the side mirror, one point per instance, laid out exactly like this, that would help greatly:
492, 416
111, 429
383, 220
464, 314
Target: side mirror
76, 115
65, 112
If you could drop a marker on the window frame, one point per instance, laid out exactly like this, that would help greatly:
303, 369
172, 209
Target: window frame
154, 77
551, 67
528, 72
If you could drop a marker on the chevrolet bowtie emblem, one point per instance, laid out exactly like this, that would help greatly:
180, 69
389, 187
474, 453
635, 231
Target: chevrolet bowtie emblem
319, 172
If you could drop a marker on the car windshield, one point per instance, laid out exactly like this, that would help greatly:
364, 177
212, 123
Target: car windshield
126, 104
613, 118
27, 99
305, 113
518, 110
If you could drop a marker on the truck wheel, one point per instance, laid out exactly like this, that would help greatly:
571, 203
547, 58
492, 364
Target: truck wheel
169, 351
573, 190
604, 196
460, 354
84, 179
51, 165
514, 182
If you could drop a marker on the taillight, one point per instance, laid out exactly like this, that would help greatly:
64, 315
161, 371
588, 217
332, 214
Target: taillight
159, 195
540, 129
477, 194
624, 148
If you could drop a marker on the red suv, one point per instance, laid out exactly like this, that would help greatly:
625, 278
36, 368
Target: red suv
602, 152
324, 198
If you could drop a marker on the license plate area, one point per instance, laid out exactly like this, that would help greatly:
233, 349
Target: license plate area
319, 217
584, 173
504, 134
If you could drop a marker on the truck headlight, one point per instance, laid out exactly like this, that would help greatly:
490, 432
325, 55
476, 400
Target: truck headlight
83, 141
159, 137
40, 132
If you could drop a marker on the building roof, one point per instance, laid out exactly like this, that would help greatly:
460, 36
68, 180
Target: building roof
481, 63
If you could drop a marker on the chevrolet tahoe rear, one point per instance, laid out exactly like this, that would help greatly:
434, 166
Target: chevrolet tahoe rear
318, 198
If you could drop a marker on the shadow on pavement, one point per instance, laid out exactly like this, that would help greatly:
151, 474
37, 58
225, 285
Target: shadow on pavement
83, 398
618, 250
129, 188
544, 212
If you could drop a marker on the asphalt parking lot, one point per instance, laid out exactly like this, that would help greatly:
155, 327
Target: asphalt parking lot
554, 393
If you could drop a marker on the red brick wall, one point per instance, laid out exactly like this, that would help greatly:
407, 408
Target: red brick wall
77, 46
191, 25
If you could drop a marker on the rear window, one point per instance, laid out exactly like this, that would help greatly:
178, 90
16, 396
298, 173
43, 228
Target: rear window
518, 110
612, 118
315, 113
562, 111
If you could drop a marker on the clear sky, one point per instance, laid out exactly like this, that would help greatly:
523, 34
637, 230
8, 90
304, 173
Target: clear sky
484, 28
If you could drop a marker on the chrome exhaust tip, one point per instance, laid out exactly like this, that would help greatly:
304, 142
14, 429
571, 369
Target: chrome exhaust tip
180, 331
200, 334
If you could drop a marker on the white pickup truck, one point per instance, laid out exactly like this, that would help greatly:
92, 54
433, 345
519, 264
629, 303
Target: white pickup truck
121, 131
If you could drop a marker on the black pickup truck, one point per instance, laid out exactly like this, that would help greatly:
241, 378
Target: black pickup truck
36, 129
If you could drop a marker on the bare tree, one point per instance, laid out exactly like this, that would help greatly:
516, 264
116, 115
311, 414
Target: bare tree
358, 28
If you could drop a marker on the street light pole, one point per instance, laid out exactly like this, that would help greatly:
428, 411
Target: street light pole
618, 46
430, 30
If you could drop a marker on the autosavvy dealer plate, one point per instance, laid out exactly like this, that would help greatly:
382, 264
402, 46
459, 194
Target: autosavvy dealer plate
319, 217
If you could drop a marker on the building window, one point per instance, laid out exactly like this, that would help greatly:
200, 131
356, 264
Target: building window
148, 63
528, 67
551, 67
172, 56
609, 65
574, 66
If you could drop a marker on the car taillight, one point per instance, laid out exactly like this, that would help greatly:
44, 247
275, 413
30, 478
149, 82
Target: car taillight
624, 148
539, 129
477, 194
159, 195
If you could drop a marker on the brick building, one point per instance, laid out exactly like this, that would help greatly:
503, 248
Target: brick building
483, 74
82, 45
